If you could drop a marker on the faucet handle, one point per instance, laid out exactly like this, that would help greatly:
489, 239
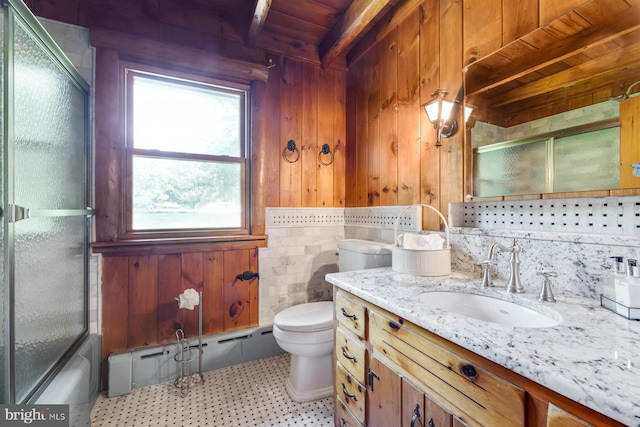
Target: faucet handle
545, 292
486, 273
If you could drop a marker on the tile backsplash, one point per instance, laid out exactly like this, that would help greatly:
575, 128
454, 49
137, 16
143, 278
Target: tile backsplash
302, 249
573, 237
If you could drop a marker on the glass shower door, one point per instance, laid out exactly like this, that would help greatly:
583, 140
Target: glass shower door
48, 199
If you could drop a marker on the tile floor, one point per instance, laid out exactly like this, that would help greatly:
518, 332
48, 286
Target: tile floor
247, 395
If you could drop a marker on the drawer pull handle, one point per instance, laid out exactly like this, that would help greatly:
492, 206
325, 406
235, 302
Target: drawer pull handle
343, 422
469, 371
349, 396
394, 326
350, 316
344, 353
431, 424
416, 415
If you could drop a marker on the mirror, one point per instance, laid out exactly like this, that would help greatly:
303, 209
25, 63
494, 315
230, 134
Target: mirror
558, 97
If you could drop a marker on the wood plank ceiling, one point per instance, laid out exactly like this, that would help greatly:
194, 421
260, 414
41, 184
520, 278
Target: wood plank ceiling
314, 30
595, 47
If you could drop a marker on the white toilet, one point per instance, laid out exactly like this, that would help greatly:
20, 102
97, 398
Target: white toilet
306, 330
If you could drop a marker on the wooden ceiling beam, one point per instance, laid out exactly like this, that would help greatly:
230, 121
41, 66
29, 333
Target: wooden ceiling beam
257, 21
353, 23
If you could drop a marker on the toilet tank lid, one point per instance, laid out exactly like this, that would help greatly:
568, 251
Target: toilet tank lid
365, 246
308, 317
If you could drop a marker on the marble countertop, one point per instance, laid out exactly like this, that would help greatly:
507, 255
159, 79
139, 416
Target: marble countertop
591, 357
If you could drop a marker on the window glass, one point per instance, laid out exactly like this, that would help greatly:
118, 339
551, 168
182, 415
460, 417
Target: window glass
183, 118
186, 156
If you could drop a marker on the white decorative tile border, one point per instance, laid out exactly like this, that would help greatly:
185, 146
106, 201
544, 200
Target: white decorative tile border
376, 217
385, 217
304, 217
606, 215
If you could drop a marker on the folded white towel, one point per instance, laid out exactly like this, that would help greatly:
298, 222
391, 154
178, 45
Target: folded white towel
429, 242
188, 299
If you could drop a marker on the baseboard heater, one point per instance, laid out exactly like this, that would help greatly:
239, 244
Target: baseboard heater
155, 364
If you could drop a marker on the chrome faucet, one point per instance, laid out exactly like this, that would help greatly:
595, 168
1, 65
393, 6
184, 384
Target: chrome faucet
514, 284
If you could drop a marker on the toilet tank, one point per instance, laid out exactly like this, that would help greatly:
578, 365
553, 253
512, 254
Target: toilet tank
354, 254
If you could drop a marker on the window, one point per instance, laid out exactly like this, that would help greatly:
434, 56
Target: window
186, 157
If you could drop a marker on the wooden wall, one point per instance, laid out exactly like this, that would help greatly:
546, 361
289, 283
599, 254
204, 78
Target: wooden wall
304, 103
391, 155
299, 101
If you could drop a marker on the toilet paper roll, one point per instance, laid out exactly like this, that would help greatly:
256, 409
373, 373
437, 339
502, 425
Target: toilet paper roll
188, 299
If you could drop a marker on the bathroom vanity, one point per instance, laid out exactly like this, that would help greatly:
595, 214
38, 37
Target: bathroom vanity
400, 361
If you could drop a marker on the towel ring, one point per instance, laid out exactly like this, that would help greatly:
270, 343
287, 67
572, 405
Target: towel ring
325, 150
291, 146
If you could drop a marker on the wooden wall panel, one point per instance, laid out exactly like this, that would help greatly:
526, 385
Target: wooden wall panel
372, 88
291, 129
520, 17
115, 307
389, 119
351, 158
451, 79
139, 296
143, 301
192, 277
483, 27
169, 287
240, 296
362, 128
430, 81
310, 131
409, 110
340, 138
213, 294
326, 100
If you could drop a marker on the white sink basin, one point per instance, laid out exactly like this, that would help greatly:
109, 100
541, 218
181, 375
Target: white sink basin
489, 309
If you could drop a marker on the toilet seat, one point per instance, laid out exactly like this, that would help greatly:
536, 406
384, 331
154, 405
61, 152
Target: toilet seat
309, 317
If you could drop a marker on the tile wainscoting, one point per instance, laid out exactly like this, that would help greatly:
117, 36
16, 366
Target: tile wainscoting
573, 237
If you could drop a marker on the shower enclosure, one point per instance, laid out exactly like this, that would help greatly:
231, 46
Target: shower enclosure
45, 194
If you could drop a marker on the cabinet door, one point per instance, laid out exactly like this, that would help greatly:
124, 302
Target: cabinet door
418, 410
557, 417
383, 395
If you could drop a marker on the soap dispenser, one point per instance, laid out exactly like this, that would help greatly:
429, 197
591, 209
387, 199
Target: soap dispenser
616, 273
628, 291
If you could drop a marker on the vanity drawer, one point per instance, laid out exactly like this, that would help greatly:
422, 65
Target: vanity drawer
351, 354
350, 391
475, 393
343, 416
351, 314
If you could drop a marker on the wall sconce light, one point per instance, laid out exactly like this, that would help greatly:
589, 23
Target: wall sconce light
441, 113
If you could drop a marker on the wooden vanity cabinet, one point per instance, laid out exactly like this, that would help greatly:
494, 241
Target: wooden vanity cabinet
351, 356
407, 368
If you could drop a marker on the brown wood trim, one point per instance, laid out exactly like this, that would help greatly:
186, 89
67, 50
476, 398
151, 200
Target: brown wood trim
169, 54
169, 246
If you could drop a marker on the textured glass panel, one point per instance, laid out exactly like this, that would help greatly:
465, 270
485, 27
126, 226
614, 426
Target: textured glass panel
187, 119
49, 294
49, 130
178, 194
48, 172
3, 199
589, 160
518, 169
